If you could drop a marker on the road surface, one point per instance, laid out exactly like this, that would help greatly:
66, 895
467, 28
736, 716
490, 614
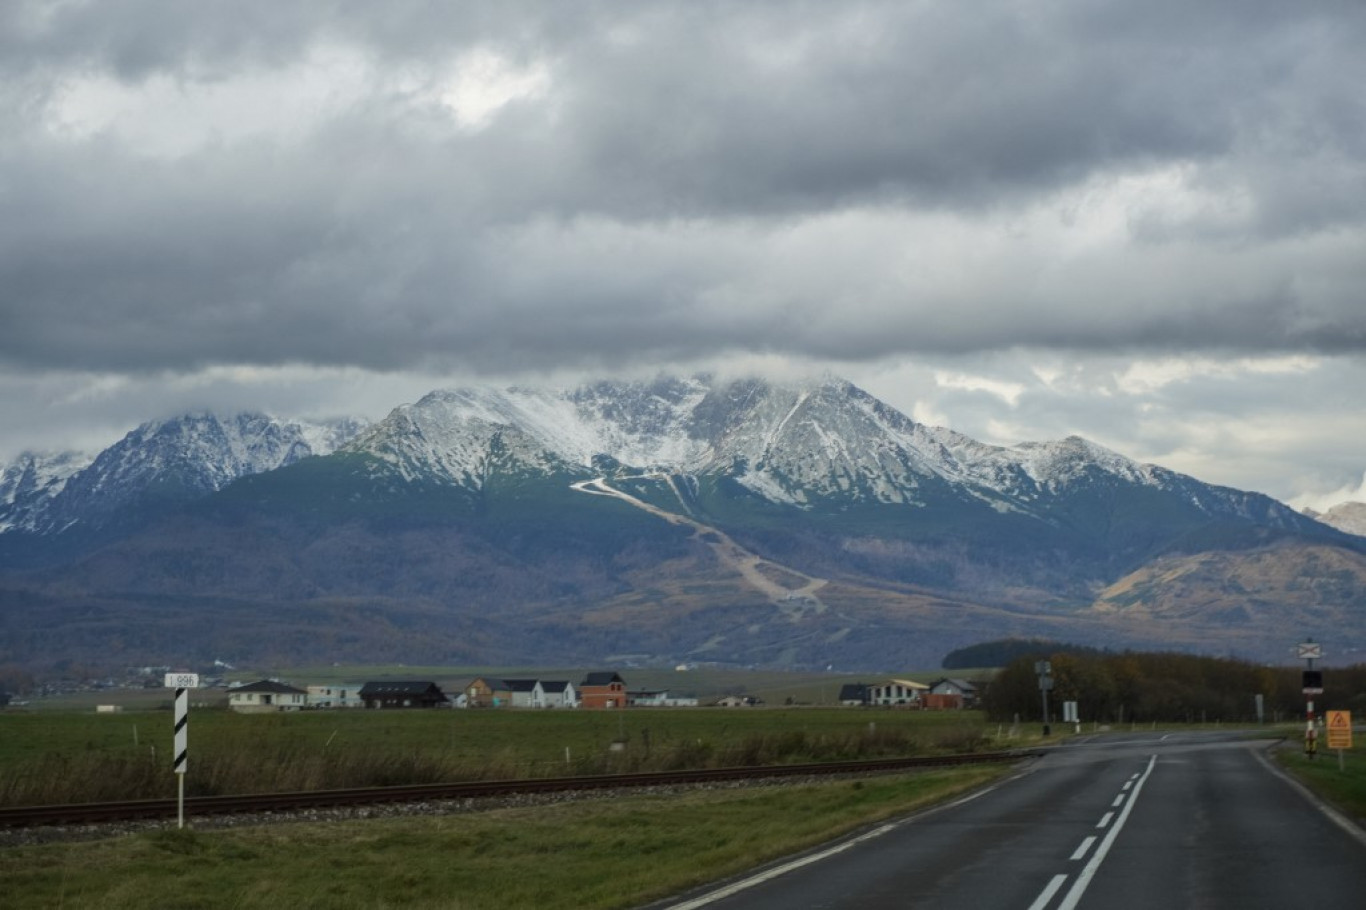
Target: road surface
1120, 822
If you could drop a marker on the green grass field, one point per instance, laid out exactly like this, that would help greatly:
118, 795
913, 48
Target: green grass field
587, 855
62, 757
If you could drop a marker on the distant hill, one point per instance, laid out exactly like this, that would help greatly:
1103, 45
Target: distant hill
1003, 651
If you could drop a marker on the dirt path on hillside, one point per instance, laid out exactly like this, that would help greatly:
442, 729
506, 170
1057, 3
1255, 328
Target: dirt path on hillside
793, 601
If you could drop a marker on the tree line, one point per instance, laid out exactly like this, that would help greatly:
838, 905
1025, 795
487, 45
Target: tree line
1144, 687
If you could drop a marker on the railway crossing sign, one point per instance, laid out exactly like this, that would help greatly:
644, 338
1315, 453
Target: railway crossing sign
1339, 729
1310, 650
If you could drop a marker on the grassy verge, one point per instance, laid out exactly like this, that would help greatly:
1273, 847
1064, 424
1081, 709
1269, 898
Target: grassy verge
1344, 788
584, 855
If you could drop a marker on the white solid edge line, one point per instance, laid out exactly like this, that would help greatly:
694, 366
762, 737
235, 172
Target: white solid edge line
1084, 877
1336, 817
779, 870
770, 874
1047, 894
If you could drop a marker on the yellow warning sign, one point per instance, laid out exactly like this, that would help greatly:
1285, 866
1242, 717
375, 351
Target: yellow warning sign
1339, 729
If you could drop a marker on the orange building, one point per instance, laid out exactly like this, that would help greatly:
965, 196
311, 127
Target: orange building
604, 689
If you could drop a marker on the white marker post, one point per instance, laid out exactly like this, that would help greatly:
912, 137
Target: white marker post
182, 683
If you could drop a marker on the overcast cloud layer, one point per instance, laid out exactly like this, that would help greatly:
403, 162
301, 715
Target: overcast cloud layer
1142, 223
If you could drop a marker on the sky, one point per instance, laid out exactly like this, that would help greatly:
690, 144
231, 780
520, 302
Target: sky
1141, 223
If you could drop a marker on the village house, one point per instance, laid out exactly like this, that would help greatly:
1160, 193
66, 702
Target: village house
660, 699
406, 694
903, 693
526, 693
493, 692
950, 694
264, 696
737, 701
488, 692
334, 697
603, 689
559, 693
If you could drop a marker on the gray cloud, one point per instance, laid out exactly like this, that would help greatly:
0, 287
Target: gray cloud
190, 187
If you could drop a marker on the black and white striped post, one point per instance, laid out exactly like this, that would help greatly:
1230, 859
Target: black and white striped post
182, 683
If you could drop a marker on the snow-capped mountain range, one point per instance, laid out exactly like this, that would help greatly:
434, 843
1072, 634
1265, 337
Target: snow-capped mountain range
790, 444
794, 444
744, 522
175, 460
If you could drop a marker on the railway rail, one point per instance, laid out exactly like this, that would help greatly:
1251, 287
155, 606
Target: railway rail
132, 810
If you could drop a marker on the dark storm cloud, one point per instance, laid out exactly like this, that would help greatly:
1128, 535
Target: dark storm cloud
691, 178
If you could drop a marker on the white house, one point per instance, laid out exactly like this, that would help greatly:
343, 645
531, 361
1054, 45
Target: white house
526, 693
335, 697
894, 692
559, 694
661, 699
266, 695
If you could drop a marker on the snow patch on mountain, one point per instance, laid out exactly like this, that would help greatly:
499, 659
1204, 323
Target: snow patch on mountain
796, 443
34, 478
174, 460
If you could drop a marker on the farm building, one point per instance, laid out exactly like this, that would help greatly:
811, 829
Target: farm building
603, 689
266, 695
408, 694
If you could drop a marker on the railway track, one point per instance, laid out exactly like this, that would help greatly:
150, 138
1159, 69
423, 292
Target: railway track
132, 810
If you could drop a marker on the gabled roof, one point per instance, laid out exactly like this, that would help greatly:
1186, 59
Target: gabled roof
853, 692
268, 685
397, 687
602, 678
521, 685
907, 683
961, 684
557, 686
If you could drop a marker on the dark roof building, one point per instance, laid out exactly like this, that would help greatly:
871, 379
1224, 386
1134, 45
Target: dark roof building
854, 694
404, 694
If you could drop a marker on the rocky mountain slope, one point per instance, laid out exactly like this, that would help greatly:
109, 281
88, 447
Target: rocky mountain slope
1348, 517
684, 519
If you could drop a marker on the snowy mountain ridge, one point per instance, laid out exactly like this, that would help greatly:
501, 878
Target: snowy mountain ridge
174, 460
821, 441
787, 443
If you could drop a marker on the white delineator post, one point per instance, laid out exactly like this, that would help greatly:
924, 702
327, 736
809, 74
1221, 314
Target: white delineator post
182, 749
182, 683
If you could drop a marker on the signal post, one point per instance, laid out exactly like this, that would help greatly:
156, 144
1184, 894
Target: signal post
1310, 651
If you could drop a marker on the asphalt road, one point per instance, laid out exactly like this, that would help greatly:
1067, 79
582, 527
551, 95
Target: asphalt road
1121, 822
